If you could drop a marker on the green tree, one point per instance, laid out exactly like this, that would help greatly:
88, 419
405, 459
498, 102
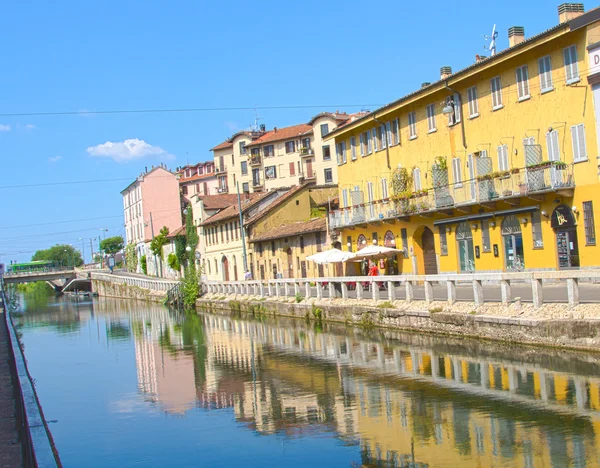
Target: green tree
191, 280
159, 241
131, 257
144, 264
61, 254
112, 245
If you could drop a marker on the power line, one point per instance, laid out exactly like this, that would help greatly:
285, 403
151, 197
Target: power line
190, 109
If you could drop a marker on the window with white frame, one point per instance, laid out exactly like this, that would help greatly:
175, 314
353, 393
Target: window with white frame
553, 146
324, 129
328, 175
473, 104
345, 197
382, 138
457, 172
268, 150
326, 153
376, 137
571, 65
388, 132
369, 142
454, 103
384, 188
431, 117
417, 178
545, 72
242, 147
395, 127
343, 152
523, 83
503, 158
290, 146
578, 139
363, 145
496, 85
353, 148
412, 125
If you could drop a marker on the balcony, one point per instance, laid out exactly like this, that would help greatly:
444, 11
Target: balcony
509, 187
307, 151
255, 160
309, 175
223, 189
221, 169
256, 183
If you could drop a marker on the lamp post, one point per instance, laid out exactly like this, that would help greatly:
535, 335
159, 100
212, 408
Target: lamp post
104, 230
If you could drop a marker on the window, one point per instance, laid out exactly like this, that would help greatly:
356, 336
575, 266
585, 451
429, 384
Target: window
268, 150
376, 139
552, 145
536, 229
503, 158
326, 153
246, 187
292, 169
431, 117
221, 229
363, 146
545, 72
328, 175
443, 241
571, 66
301, 244
345, 198
412, 126
473, 104
395, 126
485, 235
184, 190
290, 146
273, 247
454, 102
404, 236
227, 232
388, 132
496, 93
353, 148
457, 172
369, 142
324, 129
270, 172
341, 152
588, 222
384, 188
417, 178
242, 147
306, 143
578, 139
523, 83
382, 137
244, 168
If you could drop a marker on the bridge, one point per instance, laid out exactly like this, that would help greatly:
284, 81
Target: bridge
61, 279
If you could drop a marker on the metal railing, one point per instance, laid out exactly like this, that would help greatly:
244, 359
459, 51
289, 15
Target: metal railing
375, 287
220, 169
152, 284
307, 151
41, 271
484, 189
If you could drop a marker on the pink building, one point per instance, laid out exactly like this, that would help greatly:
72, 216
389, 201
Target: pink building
197, 179
151, 202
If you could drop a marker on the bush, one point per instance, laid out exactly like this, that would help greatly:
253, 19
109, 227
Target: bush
144, 264
173, 262
299, 297
190, 286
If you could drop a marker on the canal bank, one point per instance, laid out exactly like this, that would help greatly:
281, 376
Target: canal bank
501, 323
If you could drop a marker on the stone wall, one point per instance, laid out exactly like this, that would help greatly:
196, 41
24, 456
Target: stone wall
125, 291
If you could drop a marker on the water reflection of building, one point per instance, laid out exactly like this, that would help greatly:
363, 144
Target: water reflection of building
415, 403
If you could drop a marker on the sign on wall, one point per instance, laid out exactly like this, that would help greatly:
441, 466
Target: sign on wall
562, 217
594, 60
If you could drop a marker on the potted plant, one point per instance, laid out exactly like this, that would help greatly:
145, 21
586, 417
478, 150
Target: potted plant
514, 170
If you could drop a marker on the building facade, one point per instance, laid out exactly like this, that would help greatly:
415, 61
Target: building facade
198, 179
492, 168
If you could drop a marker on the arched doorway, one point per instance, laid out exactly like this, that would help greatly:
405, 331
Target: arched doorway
361, 267
512, 238
464, 240
565, 226
429, 256
225, 268
290, 263
389, 240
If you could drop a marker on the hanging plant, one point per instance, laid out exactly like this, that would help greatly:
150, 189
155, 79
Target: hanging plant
440, 163
401, 181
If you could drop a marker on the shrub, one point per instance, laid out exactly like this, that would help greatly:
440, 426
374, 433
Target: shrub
173, 262
299, 297
144, 264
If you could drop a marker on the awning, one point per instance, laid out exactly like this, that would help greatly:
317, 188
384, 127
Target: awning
492, 214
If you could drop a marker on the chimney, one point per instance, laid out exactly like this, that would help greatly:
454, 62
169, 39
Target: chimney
275, 129
568, 11
425, 84
445, 72
516, 35
262, 127
479, 58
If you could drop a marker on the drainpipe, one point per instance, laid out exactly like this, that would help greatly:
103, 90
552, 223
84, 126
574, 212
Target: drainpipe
462, 119
387, 149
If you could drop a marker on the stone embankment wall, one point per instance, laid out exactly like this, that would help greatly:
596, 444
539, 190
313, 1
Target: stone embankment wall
576, 333
126, 291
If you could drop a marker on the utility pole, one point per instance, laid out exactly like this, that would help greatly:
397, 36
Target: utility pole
242, 228
152, 229
91, 251
100, 252
82, 250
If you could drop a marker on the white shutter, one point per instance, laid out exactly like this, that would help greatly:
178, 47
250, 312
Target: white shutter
571, 67
383, 137
345, 197
343, 152
417, 178
369, 142
370, 191
457, 108
456, 171
397, 134
388, 129
552, 144
578, 139
384, 189
545, 72
338, 151
503, 158
375, 144
362, 147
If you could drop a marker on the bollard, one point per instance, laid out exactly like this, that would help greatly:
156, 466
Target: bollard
573, 291
410, 291
391, 291
428, 292
538, 296
477, 293
505, 291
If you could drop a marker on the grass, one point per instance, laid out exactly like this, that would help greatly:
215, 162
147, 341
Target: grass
386, 305
434, 310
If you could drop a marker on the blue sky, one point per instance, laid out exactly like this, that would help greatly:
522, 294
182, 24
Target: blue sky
77, 56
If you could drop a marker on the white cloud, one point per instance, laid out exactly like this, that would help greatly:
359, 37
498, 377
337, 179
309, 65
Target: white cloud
29, 127
5, 128
232, 126
128, 150
54, 159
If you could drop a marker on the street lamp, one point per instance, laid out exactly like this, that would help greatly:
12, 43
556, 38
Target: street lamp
105, 231
82, 250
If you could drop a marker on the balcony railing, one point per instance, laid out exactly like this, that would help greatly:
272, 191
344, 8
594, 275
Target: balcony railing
505, 186
257, 183
307, 151
255, 160
223, 189
309, 175
220, 169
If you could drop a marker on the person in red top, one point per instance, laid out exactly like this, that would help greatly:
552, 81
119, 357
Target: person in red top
373, 270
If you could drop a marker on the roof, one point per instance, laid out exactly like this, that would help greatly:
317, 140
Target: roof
218, 202
184, 180
279, 201
177, 232
337, 115
586, 18
140, 178
292, 229
284, 133
248, 201
226, 144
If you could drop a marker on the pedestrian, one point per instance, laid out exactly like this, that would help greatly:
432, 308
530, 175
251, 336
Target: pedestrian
373, 270
248, 275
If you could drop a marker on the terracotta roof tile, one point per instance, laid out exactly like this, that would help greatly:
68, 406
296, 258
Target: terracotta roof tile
218, 202
177, 232
248, 201
292, 229
225, 144
283, 198
284, 133
184, 180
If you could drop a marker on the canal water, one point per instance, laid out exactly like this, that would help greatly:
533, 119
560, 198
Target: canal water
130, 384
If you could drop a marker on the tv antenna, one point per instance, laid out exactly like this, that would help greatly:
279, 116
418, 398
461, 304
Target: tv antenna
492, 39
256, 119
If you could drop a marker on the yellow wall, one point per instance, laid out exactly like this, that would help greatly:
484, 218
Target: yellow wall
558, 109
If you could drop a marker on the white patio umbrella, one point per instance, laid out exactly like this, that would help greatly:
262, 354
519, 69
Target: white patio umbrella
331, 256
377, 252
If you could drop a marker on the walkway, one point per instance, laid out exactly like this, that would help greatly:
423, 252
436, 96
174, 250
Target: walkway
10, 447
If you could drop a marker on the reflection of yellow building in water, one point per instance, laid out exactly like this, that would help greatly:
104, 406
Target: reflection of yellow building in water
491, 168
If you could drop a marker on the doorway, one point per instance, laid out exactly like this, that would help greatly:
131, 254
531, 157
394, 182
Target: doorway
225, 268
339, 268
565, 226
290, 262
429, 256
309, 169
512, 238
464, 240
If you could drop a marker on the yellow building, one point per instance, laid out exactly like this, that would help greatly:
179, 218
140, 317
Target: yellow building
491, 168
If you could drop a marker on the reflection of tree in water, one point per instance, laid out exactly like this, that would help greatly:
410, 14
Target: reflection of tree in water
117, 331
39, 311
194, 338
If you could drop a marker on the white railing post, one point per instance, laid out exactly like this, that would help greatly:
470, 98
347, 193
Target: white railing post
375, 290
277, 292
537, 293
307, 290
270, 288
477, 293
391, 291
261, 289
428, 292
359, 290
331, 287
296, 288
344, 290
254, 289
505, 291
451, 286
286, 289
319, 290
410, 291
573, 291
